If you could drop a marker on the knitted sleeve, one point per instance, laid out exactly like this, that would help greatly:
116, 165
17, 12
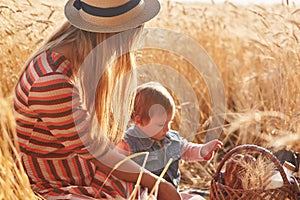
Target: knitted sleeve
190, 152
57, 102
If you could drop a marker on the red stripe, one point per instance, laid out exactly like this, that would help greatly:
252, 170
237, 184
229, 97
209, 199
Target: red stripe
22, 145
72, 134
79, 171
61, 123
25, 121
53, 111
49, 88
32, 168
87, 173
40, 151
49, 155
77, 190
25, 133
66, 69
54, 97
55, 56
50, 102
117, 186
80, 115
30, 73
26, 85
44, 140
62, 167
21, 97
78, 145
68, 171
47, 168
75, 168
53, 81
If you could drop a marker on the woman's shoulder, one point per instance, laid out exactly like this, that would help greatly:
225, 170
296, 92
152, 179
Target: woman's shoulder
49, 62
58, 62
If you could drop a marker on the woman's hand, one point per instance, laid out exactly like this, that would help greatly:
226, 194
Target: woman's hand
129, 171
208, 149
167, 191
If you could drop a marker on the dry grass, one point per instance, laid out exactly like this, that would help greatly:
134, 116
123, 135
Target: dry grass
23, 26
257, 176
256, 50
14, 182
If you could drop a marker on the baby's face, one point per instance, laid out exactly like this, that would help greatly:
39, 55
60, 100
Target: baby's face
158, 126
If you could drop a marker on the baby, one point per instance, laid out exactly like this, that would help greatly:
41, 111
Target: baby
152, 115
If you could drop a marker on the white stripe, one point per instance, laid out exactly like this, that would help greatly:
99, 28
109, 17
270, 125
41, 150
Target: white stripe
45, 63
32, 71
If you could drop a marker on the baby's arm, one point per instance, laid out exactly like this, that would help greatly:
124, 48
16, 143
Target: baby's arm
192, 152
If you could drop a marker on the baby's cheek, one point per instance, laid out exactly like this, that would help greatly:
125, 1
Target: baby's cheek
156, 131
151, 130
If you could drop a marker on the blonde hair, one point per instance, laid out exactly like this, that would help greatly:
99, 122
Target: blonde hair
149, 94
100, 61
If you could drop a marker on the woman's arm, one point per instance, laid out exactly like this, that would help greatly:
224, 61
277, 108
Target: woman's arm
129, 171
123, 148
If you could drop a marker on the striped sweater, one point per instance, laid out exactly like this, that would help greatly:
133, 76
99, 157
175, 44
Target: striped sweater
53, 132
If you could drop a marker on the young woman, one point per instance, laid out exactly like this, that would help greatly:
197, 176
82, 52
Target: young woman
61, 130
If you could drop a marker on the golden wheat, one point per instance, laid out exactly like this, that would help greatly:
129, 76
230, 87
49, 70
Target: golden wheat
256, 50
256, 175
14, 182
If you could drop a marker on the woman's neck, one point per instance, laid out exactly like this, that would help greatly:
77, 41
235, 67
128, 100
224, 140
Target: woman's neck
65, 50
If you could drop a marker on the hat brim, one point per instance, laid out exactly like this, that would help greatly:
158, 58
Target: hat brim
150, 10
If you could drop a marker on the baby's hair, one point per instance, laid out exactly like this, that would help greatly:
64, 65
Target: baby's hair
151, 97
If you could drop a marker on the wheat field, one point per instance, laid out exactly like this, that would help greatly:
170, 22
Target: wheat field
255, 49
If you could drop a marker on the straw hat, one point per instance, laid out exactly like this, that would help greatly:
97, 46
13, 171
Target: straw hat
110, 15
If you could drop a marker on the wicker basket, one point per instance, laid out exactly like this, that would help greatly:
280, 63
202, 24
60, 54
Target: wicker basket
220, 191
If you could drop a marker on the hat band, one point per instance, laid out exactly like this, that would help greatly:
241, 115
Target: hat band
105, 12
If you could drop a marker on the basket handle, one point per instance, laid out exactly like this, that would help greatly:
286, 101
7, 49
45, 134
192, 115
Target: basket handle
259, 149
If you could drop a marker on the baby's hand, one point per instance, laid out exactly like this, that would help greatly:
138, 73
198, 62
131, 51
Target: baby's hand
208, 149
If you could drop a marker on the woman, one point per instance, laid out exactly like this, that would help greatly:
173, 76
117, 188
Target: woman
59, 127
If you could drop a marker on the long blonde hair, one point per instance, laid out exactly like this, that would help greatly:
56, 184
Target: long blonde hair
100, 62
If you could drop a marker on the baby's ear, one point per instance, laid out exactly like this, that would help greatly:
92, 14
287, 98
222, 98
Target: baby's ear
137, 120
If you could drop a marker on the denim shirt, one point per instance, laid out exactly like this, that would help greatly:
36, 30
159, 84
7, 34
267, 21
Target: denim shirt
159, 152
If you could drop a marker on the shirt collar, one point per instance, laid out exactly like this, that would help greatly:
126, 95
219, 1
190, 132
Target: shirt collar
146, 140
